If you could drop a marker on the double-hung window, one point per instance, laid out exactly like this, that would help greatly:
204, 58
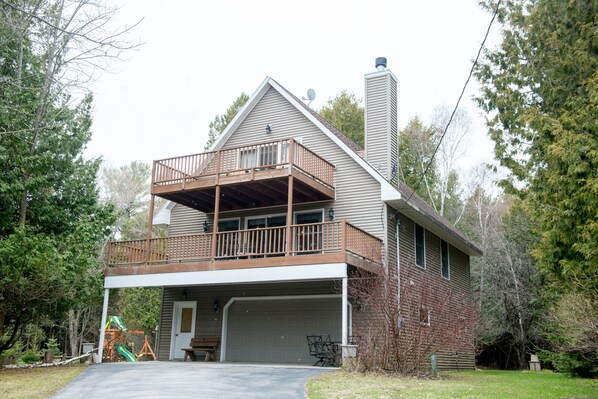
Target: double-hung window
444, 259
420, 246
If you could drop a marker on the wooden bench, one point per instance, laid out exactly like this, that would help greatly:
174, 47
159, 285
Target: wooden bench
201, 344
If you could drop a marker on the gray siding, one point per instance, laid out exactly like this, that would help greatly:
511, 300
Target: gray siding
381, 121
209, 323
357, 192
184, 220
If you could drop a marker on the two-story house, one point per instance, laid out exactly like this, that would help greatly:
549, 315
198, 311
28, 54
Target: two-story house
267, 228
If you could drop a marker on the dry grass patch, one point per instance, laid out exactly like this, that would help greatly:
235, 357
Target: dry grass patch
464, 385
41, 382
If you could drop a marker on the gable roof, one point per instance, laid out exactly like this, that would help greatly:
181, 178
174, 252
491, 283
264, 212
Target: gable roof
401, 198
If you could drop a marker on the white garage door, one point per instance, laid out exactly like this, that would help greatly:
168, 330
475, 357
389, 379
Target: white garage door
274, 330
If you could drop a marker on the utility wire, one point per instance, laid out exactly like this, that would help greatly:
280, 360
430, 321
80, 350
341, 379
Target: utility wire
473, 66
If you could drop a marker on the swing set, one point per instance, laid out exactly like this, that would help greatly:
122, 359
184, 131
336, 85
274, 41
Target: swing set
115, 343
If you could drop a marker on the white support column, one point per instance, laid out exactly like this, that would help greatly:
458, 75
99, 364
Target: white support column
103, 323
345, 313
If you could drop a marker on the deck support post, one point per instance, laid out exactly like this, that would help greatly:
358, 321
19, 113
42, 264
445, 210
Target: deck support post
150, 225
345, 312
103, 324
289, 216
215, 226
291, 159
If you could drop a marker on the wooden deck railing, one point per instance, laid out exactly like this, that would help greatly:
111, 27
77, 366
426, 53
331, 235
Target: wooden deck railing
239, 159
317, 238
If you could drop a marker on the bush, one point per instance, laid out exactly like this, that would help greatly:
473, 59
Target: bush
573, 335
29, 357
52, 346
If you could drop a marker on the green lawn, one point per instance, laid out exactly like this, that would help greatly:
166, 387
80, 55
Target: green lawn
40, 382
454, 385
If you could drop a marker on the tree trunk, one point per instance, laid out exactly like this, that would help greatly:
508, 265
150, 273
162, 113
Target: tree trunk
74, 317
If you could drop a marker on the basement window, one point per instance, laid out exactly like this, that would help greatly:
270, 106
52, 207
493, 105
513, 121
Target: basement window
424, 315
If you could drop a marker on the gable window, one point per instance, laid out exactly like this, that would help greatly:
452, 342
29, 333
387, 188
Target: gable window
420, 246
444, 259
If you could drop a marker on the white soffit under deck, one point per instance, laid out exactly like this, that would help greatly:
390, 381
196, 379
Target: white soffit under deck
235, 276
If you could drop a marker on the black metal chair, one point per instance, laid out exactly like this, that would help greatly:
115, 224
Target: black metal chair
322, 349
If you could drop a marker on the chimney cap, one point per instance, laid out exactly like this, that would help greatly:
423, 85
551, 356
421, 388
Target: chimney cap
381, 63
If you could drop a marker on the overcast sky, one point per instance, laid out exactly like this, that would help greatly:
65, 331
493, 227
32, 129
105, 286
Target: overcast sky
198, 56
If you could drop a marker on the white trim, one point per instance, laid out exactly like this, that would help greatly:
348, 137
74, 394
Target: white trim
234, 276
103, 324
223, 338
415, 245
175, 317
448, 259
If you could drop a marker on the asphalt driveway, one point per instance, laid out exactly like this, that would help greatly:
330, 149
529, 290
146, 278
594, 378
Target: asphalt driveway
190, 380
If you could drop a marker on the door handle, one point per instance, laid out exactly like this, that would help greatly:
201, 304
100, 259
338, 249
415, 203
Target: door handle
176, 335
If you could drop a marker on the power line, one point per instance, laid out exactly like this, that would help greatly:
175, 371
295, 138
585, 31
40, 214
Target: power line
473, 66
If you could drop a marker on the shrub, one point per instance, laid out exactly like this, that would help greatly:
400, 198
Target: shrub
29, 357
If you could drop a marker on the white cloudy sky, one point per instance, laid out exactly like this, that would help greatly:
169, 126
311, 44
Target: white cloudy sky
198, 56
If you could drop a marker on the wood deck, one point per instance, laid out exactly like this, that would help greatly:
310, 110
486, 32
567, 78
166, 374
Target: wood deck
255, 175
318, 243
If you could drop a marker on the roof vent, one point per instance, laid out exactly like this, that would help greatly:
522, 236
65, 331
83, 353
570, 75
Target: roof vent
380, 63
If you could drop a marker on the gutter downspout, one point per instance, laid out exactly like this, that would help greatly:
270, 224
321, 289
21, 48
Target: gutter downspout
397, 224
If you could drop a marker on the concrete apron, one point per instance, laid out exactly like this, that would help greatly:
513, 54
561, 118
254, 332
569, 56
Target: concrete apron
191, 380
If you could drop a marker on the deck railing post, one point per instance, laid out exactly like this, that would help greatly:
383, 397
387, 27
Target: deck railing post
343, 236
215, 226
291, 152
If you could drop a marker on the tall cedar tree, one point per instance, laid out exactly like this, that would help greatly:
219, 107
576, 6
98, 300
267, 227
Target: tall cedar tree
541, 86
51, 223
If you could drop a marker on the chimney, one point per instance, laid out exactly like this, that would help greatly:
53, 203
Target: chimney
381, 120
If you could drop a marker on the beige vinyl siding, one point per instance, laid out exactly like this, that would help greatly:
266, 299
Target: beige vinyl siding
165, 327
381, 122
208, 322
357, 192
185, 220
394, 131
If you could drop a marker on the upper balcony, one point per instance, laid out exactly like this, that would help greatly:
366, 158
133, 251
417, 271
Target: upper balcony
250, 176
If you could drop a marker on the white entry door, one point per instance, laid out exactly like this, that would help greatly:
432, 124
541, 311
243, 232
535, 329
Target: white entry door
183, 327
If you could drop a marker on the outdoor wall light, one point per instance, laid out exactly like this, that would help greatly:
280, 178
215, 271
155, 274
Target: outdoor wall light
205, 226
331, 214
216, 305
184, 294
268, 128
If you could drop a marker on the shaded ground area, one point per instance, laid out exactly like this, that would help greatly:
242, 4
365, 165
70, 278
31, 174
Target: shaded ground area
190, 380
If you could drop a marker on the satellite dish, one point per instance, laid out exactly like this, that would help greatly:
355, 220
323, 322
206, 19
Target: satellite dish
311, 95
